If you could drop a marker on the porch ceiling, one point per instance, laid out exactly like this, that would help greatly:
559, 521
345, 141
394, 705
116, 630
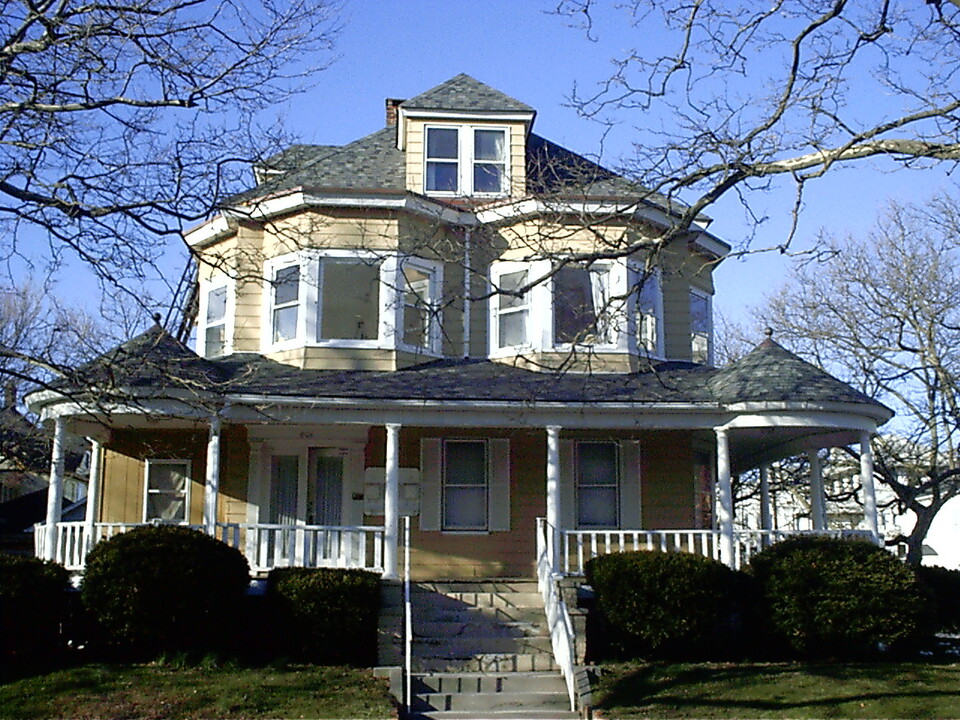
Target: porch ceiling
751, 447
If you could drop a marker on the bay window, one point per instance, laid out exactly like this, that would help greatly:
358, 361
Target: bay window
650, 314
465, 160
352, 299
584, 310
513, 310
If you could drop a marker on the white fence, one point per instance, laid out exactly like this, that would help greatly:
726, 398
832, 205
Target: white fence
578, 546
266, 546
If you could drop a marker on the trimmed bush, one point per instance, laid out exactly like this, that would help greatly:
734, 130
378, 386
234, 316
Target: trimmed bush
665, 605
165, 589
32, 603
943, 586
829, 598
326, 616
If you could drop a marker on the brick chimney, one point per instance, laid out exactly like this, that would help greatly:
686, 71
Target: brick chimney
392, 105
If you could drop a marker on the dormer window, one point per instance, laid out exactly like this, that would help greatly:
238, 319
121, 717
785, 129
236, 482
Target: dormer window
465, 160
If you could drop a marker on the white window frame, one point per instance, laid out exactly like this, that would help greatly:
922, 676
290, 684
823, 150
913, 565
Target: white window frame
153, 462
389, 334
619, 276
536, 326
616, 483
434, 332
206, 288
466, 159
656, 277
709, 298
271, 269
485, 529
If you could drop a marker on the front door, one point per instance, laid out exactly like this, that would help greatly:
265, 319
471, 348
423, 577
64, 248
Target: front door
325, 486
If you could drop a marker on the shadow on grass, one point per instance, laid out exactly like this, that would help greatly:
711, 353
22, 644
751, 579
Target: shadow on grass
782, 690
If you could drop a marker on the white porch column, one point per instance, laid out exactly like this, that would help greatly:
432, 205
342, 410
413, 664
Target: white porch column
55, 490
818, 504
93, 495
869, 489
391, 504
725, 498
766, 519
553, 493
211, 488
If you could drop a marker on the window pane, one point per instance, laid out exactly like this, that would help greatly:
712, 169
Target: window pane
416, 307
285, 323
489, 145
213, 341
597, 507
597, 464
465, 463
442, 176
511, 283
167, 507
284, 482
465, 508
647, 313
286, 285
580, 300
350, 306
168, 478
487, 177
216, 304
699, 314
442, 143
513, 329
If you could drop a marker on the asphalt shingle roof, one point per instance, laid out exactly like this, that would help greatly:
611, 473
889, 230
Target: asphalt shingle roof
465, 93
769, 373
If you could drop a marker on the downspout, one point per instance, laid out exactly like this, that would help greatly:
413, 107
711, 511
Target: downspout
466, 291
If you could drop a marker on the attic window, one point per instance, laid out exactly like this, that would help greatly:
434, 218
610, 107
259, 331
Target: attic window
465, 160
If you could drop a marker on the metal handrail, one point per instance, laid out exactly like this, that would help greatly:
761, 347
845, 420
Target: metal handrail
408, 617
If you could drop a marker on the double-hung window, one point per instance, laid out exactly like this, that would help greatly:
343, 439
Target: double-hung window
349, 303
512, 309
213, 333
419, 294
597, 480
167, 491
649, 314
465, 495
701, 327
465, 160
285, 293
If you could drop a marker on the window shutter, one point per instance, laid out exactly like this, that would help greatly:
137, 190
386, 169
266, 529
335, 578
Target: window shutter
568, 486
430, 483
498, 508
630, 510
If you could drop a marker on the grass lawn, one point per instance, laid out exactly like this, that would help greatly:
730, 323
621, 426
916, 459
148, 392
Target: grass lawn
779, 690
135, 692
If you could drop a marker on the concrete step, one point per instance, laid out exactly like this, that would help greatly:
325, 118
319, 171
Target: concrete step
470, 646
510, 682
477, 599
457, 612
477, 626
487, 663
485, 702
460, 586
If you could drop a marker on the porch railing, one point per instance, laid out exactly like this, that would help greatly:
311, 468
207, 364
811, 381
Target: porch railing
265, 546
578, 546
558, 619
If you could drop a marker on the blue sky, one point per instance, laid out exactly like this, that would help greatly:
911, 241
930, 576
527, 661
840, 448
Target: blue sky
399, 48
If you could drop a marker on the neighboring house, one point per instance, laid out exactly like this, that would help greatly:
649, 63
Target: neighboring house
437, 320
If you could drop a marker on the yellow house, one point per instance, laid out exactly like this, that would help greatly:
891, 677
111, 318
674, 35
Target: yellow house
456, 321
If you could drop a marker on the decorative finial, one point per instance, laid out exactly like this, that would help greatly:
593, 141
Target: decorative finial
769, 333
156, 318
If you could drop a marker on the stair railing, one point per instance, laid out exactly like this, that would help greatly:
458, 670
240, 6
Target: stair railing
558, 619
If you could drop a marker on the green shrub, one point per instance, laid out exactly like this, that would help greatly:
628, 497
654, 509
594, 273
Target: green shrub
837, 598
165, 589
943, 586
326, 616
675, 605
32, 603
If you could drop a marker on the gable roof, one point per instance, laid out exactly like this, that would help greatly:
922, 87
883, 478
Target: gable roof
465, 94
